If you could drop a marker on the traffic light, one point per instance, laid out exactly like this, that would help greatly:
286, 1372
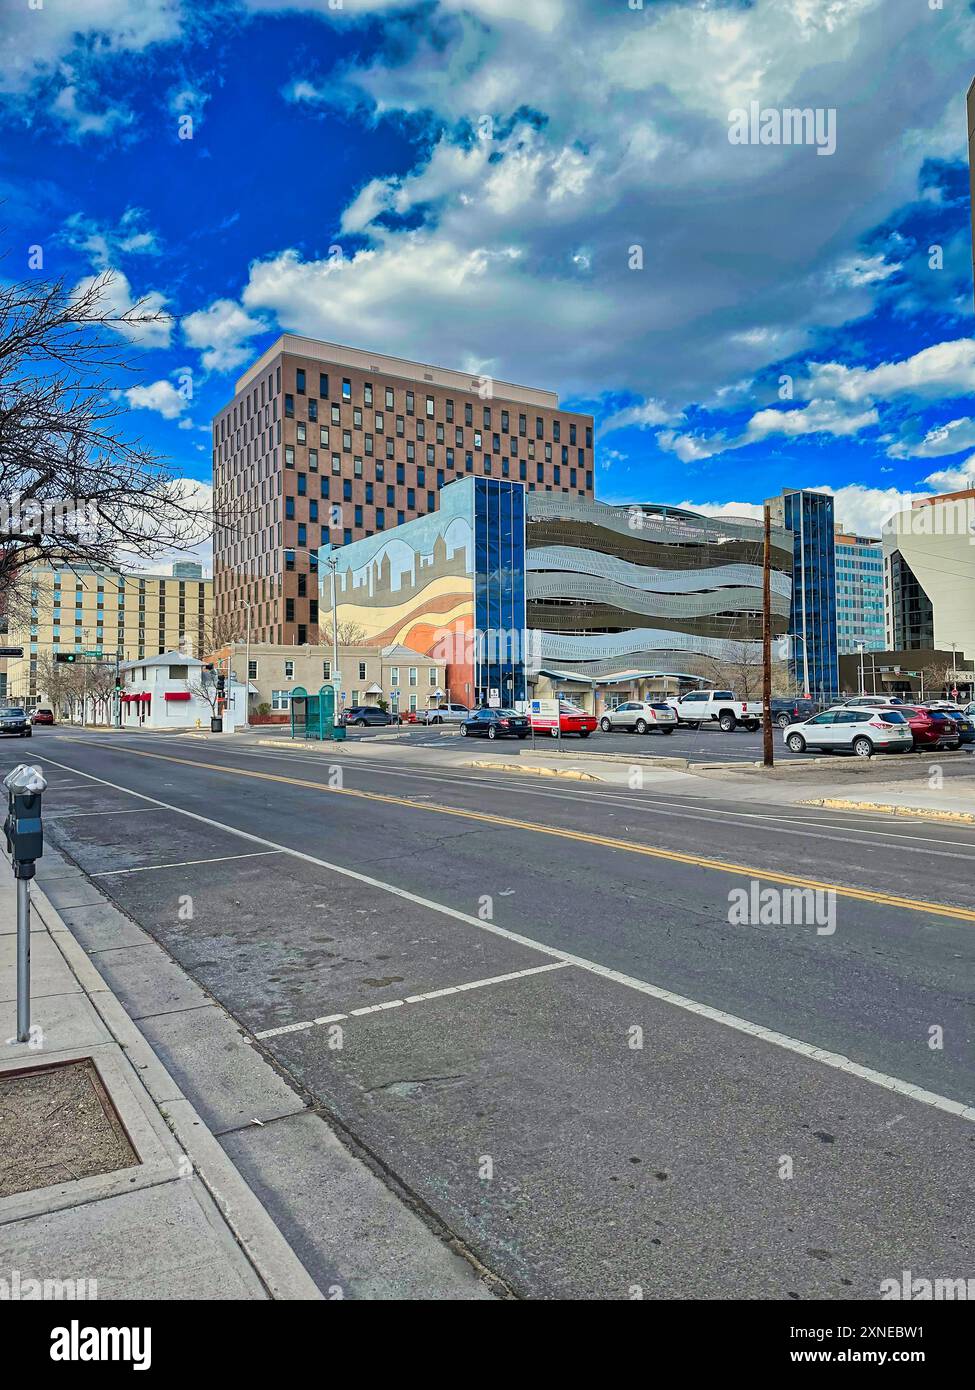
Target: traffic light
69, 657
221, 684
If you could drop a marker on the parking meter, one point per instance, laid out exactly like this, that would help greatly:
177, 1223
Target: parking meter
22, 828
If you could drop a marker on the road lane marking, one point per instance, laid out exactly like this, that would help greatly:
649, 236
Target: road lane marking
77, 815
834, 1060
868, 895
649, 805
413, 999
183, 863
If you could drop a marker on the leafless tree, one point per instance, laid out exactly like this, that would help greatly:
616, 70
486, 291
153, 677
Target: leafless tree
741, 672
59, 683
74, 486
351, 634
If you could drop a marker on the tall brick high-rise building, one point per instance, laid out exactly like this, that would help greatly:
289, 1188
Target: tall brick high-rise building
324, 443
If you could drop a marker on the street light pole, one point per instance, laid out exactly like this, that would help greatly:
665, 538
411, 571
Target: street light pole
863, 688
332, 564
768, 754
247, 671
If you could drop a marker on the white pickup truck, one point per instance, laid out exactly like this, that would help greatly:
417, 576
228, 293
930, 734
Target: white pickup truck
717, 707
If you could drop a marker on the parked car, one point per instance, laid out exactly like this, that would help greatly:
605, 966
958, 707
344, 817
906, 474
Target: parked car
572, 720
860, 731
868, 702
496, 723
640, 717
14, 721
42, 716
792, 710
931, 728
719, 707
444, 714
358, 716
965, 726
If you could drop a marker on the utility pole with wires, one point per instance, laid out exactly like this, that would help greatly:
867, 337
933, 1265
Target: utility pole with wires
768, 753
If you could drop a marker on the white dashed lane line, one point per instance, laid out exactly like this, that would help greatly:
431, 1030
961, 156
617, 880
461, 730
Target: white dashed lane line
412, 999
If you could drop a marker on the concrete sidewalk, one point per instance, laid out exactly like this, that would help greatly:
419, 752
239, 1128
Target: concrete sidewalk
181, 1223
201, 1107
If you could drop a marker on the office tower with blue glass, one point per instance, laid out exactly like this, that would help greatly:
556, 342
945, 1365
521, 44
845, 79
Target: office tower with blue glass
812, 622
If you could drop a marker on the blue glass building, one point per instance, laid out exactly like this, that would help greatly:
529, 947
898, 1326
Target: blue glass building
812, 621
499, 589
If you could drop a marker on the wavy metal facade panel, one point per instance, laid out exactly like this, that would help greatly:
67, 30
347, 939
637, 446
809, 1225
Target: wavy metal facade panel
706, 610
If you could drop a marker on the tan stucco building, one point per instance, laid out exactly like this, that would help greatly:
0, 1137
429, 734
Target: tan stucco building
402, 678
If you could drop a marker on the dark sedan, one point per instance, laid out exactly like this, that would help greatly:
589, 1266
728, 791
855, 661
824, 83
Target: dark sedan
359, 716
497, 723
14, 721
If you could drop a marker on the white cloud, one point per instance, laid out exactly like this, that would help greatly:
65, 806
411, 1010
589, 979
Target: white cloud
954, 479
79, 120
162, 397
857, 507
647, 415
819, 417
36, 39
104, 244
117, 301
223, 331
939, 372
952, 438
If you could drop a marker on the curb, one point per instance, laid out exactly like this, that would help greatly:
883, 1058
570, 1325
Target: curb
270, 1255
572, 773
920, 812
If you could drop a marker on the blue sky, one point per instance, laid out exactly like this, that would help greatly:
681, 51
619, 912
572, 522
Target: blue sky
542, 190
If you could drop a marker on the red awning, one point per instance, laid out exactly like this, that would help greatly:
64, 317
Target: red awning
176, 695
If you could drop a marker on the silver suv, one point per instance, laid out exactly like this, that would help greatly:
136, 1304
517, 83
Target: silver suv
443, 714
640, 717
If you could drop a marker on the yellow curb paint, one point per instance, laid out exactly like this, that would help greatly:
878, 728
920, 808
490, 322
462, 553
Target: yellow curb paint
572, 773
961, 914
914, 812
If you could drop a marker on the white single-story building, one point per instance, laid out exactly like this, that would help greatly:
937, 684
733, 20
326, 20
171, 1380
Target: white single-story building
166, 692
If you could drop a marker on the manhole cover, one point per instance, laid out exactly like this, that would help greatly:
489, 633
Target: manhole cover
57, 1124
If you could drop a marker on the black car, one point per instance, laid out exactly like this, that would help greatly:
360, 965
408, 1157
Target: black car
361, 715
497, 723
14, 721
792, 711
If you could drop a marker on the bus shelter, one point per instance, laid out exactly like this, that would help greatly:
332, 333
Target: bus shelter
313, 716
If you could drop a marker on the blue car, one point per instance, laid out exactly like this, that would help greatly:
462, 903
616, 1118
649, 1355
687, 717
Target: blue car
966, 726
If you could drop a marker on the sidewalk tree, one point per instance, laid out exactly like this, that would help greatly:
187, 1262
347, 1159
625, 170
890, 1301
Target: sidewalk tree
75, 486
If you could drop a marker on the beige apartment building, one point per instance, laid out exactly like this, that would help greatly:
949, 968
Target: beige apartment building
88, 608
323, 444
402, 678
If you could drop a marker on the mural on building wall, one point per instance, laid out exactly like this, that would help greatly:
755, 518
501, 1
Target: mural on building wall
415, 587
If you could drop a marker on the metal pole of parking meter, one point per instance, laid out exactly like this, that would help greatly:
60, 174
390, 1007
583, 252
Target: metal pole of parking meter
25, 842
23, 959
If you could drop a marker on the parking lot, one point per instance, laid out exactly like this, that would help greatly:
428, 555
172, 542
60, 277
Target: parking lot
705, 745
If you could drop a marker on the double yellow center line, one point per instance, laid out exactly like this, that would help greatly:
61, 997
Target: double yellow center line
962, 914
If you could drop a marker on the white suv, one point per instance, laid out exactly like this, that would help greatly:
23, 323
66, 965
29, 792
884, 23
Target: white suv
862, 731
639, 717
444, 714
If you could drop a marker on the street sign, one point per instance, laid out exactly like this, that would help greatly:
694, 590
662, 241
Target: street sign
494, 699
93, 653
544, 714
11, 651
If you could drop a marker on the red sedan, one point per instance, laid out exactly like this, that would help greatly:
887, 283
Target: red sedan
930, 727
572, 720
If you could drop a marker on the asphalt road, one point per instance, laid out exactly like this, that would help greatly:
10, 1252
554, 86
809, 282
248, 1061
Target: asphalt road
614, 1086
